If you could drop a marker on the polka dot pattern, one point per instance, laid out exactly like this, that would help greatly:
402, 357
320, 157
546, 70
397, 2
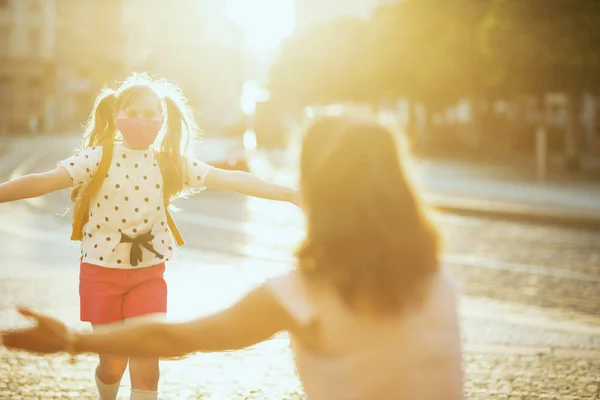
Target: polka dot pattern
197, 173
82, 166
130, 202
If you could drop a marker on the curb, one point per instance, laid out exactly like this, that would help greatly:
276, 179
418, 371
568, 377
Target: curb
541, 215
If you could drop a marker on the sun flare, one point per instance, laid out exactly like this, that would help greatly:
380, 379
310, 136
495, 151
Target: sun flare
266, 23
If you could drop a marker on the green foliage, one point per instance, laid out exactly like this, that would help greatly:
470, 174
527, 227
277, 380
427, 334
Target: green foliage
437, 51
543, 45
428, 49
321, 65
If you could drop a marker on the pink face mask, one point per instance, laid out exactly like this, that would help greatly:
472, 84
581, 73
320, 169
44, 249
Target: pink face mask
139, 133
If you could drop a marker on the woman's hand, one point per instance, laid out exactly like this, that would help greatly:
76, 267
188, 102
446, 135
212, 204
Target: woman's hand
47, 336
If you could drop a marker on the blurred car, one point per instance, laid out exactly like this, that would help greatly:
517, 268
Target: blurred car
226, 152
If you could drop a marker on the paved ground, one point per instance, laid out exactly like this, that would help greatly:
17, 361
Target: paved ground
487, 183
530, 309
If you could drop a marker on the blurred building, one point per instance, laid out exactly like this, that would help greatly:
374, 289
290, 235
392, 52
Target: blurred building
27, 44
56, 54
88, 54
190, 42
311, 12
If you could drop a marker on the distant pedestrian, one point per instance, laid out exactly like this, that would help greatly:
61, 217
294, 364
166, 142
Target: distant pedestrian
371, 313
131, 167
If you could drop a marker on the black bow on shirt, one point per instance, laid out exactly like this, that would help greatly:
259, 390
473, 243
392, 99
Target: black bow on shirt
143, 240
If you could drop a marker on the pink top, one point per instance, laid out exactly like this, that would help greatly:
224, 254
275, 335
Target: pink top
413, 356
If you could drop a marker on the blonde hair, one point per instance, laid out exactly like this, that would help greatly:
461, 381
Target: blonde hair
179, 125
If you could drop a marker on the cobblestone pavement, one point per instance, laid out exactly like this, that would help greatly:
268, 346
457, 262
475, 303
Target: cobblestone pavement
530, 310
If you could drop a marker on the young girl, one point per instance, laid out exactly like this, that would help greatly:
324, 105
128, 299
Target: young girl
370, 312
125, 228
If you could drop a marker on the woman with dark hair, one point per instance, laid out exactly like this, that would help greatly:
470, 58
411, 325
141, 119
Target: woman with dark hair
371, 313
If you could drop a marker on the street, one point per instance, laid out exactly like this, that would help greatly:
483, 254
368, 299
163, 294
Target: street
491, 106
530, 308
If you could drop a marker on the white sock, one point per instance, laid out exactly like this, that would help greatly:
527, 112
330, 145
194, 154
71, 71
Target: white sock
137, 394
107, 392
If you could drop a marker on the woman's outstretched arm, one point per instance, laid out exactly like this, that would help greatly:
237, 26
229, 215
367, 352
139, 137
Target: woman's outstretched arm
255, 318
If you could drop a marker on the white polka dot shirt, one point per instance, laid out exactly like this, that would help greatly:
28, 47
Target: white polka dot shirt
129, 202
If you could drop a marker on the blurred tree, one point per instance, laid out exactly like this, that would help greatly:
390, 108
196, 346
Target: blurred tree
423, 49
436, 52
321, 65
538, 46
541, 46
427, 51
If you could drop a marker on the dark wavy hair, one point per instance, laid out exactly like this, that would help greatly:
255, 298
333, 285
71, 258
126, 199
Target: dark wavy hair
367, 234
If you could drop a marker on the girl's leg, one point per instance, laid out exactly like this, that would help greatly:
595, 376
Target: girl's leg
145, 301
109, 371
144, 372
102, 293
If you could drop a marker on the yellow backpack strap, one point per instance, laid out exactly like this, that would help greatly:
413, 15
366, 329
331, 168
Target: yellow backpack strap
82, 202
170, 222
174, 230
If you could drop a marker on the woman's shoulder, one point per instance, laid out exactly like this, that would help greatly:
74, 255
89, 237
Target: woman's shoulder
291, 290
448, 279
290, 282
444, 290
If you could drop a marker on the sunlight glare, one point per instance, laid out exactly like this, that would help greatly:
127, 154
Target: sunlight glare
250, 140
252, 93
266, 23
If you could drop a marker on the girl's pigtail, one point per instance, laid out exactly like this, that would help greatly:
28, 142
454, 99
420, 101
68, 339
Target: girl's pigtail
101, 125
176, 124
171, 160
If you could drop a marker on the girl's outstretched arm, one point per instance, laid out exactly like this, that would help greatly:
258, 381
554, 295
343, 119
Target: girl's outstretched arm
249, 184
35, 185
255, 318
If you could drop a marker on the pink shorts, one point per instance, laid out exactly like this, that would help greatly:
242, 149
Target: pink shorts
109, 294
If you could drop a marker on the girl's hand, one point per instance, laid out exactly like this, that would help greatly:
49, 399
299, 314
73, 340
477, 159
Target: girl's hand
47, 336
250, 185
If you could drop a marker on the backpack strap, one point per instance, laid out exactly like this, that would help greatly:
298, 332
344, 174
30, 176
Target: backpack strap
82, 205
170, 222
82, 200
174, 230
